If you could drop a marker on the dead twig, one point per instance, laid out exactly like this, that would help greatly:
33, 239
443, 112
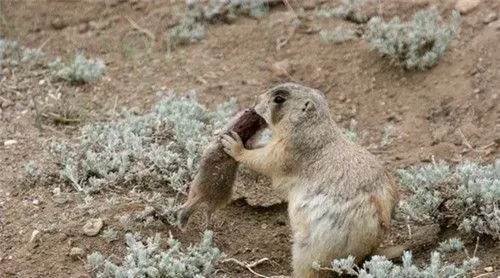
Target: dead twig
142, 30
57, 118
249, 266
484, 274
44, 43
464, 140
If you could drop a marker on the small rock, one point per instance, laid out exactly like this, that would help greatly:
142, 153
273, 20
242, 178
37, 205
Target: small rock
465, 6
6, 103
10, 142
490, 18
263, 226
192, 3
477, 91
36, 202
76, 253
35, 236
93, 226
495, 25
58, 24
135, 110
82, 28
112, 3
56, 191
41, 82
99, 25
488, 269
281, 69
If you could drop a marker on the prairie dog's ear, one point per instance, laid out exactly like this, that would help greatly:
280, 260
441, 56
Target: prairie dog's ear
308, 106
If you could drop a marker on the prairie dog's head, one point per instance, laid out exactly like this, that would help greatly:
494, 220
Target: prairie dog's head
291, 105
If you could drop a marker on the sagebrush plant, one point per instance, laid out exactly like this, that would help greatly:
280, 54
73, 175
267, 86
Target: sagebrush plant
7, 47
417, 44
160, 147
451, 245
351, 133
81, 71
337, 35
348, 10
32, 55
149, 260
189, 30
191, 26
215, 9
380, 267
109, 235
388, 134
467, 195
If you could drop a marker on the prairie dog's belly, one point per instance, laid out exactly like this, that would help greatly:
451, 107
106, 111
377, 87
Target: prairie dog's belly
331, 227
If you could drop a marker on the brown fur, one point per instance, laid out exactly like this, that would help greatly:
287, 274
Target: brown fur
340, 198
213, 184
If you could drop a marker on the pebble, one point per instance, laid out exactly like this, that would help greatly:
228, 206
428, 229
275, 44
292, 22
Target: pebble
36, 202
56, 191
490, 18
99, 25
112, 3
488, 269
82, 28
10, 142
58, 24
76, 253
281, 69
35, 236
93, 226
495, 25
6, 103
465, 6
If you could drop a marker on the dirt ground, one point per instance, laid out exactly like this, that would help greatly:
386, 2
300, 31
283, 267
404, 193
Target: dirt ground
450, 113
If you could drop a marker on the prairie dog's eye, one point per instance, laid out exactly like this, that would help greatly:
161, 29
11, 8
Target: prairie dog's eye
279, 99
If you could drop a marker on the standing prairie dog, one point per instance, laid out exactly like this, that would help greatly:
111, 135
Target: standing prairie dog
340, 198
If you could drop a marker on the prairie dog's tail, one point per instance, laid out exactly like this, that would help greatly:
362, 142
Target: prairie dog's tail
424, 236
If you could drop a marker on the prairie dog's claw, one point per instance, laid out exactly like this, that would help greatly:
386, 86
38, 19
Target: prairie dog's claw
232, 145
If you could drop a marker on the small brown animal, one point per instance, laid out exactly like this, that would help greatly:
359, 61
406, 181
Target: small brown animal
340, 198
213, 184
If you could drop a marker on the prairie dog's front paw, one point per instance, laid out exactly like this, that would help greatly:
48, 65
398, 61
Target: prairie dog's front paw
232, 144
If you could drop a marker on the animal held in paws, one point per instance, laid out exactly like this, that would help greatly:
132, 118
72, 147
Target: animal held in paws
212, 185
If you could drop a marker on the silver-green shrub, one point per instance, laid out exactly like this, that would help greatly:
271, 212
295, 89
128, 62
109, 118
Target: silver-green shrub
7, 47
81, 71
337, 35
149, 260
451, 245
351, 133
351, 10
191, 27
417, 44
223, 8
380, 267
467, 195
32, 55
189, 30
160, 147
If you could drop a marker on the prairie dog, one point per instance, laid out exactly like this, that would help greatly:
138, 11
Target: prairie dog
340, 198
212, 185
